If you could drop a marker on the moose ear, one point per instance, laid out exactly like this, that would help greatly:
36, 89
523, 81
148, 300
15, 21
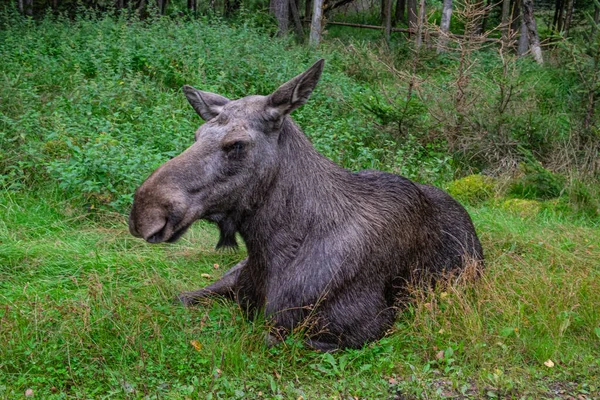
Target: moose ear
207, 105
296, 91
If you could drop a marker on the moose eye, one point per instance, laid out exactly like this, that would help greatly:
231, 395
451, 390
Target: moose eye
234, 149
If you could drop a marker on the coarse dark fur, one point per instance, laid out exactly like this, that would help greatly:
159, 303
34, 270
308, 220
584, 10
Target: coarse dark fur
328, 250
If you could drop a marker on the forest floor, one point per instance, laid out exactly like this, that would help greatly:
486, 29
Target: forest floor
87, 311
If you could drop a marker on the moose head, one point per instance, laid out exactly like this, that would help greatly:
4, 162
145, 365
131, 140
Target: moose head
235, 155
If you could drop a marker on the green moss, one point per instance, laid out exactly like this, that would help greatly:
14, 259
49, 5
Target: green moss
522, 207
472, 189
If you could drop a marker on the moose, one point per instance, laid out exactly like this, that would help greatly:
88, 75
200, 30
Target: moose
329, 251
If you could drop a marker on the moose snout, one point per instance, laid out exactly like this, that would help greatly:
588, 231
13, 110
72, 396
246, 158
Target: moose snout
151, 225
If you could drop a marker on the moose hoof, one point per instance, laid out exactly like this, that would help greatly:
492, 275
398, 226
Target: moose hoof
324, 347
188, 299
271, 340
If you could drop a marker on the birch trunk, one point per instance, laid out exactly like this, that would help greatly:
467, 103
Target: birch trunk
316, 24
445, 26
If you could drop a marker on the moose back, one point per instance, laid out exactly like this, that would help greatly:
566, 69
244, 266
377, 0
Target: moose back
329, 251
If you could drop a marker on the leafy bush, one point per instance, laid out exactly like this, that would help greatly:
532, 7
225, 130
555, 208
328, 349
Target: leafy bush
95, 103
537, 183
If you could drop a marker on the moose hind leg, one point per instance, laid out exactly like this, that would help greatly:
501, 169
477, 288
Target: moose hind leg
226, 287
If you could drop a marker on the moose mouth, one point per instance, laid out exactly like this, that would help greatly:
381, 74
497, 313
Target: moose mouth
165, 234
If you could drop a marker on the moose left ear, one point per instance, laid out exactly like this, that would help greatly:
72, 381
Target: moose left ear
207, 105
296, 91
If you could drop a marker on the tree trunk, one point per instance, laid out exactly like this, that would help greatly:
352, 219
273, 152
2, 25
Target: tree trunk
231, 7
316, 25
192, 6
568, 16
307, 9
421, 25
399, 15
596, 20
515, 23
141, 7
412, 15
20, 6
296, 19
523, 39
281, 10
487, 9
560, 20
29, 8
161, 4
505, 21
387, 18
445, 26
557, 6
532, 33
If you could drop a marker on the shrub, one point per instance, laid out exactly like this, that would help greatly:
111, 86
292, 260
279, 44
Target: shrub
537, 183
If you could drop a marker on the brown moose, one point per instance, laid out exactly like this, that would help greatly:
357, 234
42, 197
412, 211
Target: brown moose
328, 250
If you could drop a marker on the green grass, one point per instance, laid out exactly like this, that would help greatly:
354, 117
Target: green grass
86, 311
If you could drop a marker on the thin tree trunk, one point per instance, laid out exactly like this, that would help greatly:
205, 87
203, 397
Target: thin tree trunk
412, 15
316, 25
515, 23
557, 6
29, 8
141, 7
296, 19
307, 9
568, 16
445, 26
523, 39
281, 10
486, 12
399, 15
532, 33
231, 7
421, 25
561, 12
505, 21
387, 19
596, 20
20, 6
191, 4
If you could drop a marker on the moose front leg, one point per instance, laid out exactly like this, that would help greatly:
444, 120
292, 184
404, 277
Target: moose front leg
223, 287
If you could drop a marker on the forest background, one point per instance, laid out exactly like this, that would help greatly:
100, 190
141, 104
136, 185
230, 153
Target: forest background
495, 102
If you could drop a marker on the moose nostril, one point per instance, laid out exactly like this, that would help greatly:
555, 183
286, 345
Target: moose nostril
158, 236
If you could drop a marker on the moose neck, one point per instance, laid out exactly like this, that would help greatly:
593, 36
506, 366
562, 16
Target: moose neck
307, 192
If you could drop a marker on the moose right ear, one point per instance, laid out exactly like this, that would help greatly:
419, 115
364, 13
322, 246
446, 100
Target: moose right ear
207, 105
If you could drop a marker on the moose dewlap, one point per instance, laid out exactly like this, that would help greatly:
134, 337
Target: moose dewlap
328, 250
